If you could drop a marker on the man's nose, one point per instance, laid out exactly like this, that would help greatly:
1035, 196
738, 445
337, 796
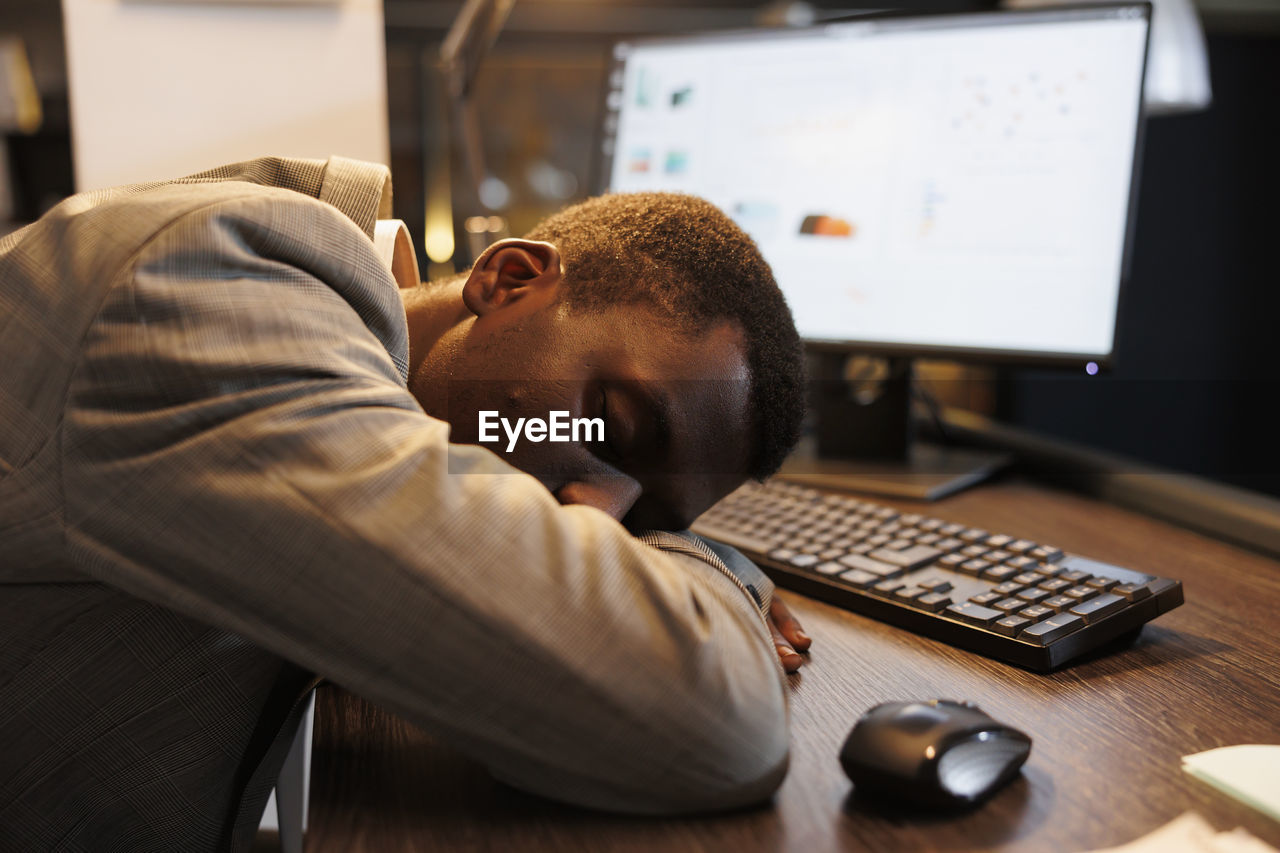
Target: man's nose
614, 495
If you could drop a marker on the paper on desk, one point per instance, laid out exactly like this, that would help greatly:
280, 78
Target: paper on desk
1191, 834
1250, 773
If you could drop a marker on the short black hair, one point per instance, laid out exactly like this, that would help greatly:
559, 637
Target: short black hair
682, 256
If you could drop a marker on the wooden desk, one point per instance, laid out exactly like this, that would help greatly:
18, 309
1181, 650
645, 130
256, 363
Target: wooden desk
1108, 733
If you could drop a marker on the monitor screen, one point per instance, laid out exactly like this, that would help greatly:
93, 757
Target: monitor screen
943, 184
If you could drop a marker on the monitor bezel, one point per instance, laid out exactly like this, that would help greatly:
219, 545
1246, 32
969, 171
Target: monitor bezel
983, 355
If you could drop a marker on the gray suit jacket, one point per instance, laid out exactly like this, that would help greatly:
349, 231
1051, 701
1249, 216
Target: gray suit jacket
214, 483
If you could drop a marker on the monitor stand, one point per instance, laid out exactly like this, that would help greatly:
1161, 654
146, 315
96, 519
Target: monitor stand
865, 442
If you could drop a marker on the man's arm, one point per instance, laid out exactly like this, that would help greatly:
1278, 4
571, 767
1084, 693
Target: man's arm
239, 447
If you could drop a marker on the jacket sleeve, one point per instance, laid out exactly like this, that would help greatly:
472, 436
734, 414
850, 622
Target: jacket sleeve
240, 447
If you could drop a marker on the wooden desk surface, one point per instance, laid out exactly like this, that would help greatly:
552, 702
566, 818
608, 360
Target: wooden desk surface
1108, 733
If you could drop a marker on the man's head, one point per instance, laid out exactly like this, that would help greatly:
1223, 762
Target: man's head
653, 311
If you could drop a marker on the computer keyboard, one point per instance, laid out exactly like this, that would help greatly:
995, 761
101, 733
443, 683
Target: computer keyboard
1008, 598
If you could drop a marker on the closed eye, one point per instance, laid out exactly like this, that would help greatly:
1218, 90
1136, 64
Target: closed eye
607, 450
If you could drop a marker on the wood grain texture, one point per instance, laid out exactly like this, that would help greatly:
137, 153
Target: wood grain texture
1109, 732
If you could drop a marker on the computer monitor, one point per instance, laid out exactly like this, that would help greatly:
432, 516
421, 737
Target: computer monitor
955, 186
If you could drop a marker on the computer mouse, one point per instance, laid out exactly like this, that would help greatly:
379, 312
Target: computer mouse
939, 754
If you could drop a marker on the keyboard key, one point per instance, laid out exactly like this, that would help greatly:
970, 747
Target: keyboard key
974, 550
1053, 628
1028, 579
875, 567
932, 601
1046, 554
951, 529
1009, 605
859, 578
1081, 593
1075, 576
1033, 595
831, 554
740, 540
1035, 612
804, 561
910, 519
863, 548
930, 524
910, 558
1021, 546
1132, 591
949, 544
781, 554
886, 589
974, 614
1048, 570
927, 539
1099, 608
999, 573
1055, 585
935, 584
973, 567
974, 534
1059, 603
1020, 562
997, 556
985, 598
907, 593
998, 540
951, 561
830, 567
1008, 587
1101, 584
1011, 625
879, 539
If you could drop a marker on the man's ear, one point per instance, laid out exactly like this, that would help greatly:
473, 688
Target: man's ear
511, 270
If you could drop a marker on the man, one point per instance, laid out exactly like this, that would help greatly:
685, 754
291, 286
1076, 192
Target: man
224, 466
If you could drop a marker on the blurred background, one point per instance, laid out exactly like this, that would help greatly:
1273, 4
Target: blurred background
1193, 386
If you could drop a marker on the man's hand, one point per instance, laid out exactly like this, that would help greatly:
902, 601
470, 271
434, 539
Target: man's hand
788, 637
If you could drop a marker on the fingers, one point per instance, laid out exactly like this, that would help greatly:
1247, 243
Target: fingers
788, 637
791, 661
789, 626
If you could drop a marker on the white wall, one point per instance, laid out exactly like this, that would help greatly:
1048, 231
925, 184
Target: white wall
164, 89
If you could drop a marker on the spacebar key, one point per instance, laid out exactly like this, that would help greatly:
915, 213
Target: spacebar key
910, 558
